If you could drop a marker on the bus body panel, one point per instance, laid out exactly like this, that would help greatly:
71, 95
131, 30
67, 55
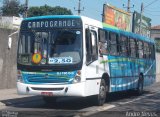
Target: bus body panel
149, 72
121, 74
124, 72
72, 89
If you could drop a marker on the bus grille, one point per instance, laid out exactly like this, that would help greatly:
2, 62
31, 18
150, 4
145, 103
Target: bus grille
47, 89
43, 79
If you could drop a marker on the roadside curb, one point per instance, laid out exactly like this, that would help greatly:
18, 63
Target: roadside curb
2, 104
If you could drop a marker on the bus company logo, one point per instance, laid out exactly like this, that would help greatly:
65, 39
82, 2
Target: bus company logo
52, 24
65, 73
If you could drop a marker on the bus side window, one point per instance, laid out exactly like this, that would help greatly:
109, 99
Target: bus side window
103, 37
123, 45
107, 43
140, 49
132, 48
113, 43
145, 50
148, 51
153, 52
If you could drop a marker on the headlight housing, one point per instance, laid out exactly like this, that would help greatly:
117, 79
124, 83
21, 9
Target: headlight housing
19, 76
77, 77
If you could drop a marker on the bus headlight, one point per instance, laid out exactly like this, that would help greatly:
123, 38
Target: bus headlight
77, 79
19, 79
19, 76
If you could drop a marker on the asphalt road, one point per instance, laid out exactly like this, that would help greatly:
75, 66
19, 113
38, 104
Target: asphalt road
122, 104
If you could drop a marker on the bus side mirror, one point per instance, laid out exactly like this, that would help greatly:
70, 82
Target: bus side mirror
9, 42
10, 39
102, 37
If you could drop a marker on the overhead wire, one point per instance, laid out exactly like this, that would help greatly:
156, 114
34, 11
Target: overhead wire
151, 14
150, 4
149, 11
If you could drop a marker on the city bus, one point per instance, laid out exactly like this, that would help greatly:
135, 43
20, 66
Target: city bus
67, 55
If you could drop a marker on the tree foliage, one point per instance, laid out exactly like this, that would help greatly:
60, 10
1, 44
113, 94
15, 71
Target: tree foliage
11, 8
14, 8
48, 10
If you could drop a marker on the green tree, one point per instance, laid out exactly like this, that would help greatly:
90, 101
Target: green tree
48, 10
11, 8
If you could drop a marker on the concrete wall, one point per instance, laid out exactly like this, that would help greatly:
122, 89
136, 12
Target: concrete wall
7, 60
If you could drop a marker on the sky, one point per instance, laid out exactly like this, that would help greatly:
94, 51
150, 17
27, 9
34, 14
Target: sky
94, 8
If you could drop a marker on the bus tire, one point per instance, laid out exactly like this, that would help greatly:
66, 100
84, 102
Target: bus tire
139, 90
49, 100
101, 97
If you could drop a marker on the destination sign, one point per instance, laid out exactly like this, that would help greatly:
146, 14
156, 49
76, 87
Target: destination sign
51, 23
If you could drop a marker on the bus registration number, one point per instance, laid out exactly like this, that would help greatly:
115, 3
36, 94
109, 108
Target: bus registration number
60, 60
47, 93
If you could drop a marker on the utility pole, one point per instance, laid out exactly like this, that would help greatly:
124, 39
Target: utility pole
79, 8
140, 26
128, 6
26, 8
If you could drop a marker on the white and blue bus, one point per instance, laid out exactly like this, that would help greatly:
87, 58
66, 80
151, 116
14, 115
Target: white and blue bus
78, 56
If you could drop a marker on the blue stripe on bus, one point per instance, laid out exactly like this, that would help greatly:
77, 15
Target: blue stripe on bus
130, 34
52, 16
122, 84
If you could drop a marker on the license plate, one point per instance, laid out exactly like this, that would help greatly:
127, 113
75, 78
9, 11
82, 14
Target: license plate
47, 93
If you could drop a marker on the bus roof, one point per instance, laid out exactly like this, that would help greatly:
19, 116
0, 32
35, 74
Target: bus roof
128, 34
52, 16
105, 26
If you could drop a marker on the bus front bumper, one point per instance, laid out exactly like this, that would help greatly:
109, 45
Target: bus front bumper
76, 89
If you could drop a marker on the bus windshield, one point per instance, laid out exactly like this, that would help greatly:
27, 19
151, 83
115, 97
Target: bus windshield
53, 47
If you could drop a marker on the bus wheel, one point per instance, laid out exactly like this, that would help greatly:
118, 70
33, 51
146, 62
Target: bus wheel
49, 100
139, 90
101, 97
